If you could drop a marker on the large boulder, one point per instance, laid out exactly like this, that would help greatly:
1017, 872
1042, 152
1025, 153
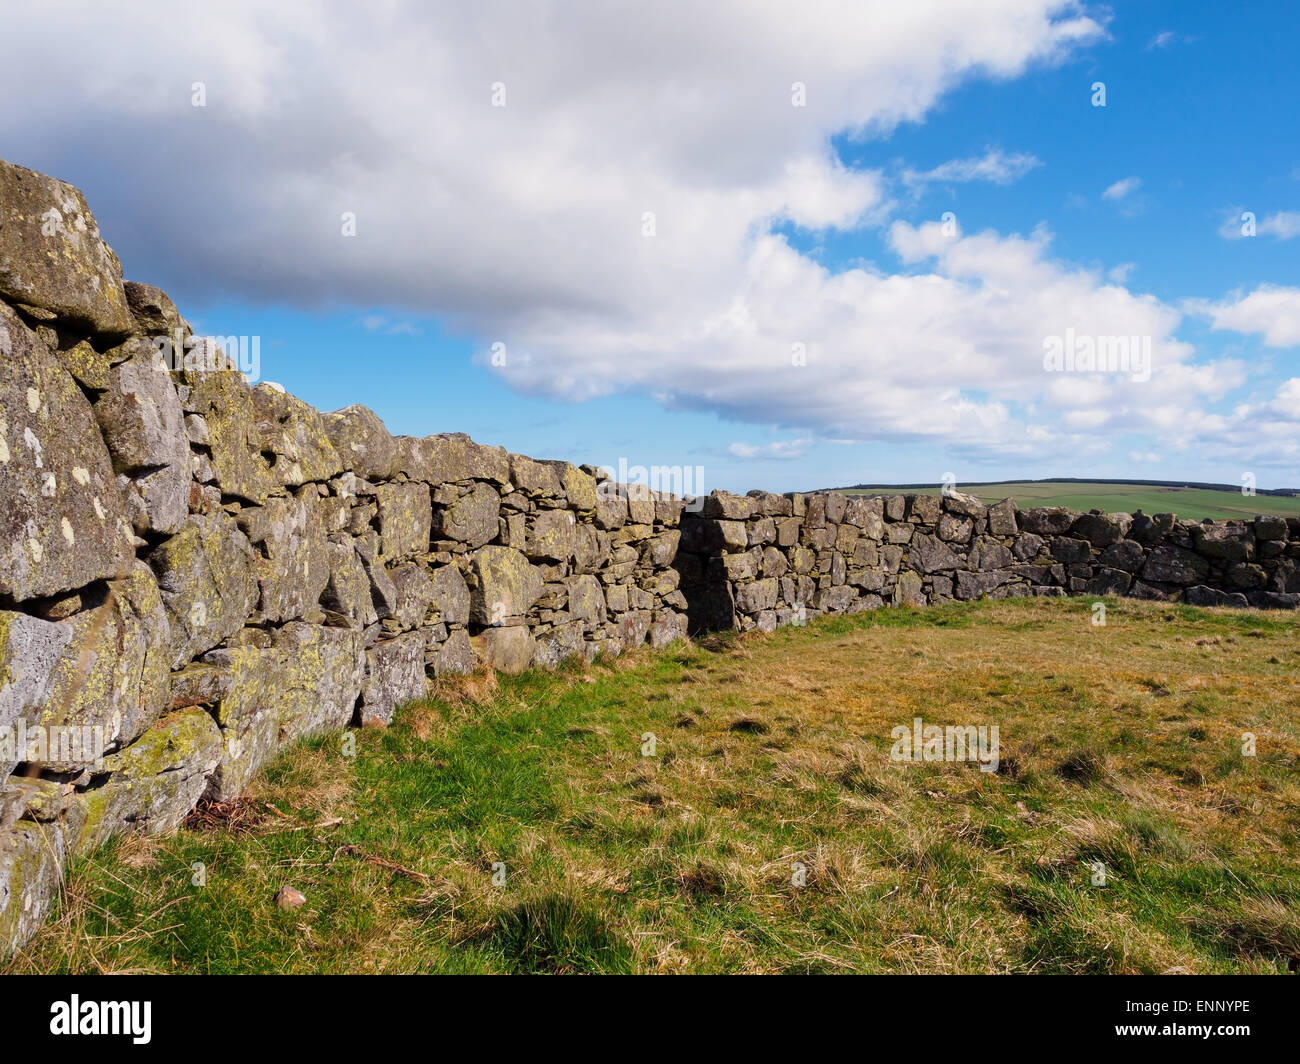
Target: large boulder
52, 257
63, 524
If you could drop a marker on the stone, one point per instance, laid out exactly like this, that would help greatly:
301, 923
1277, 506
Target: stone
456, 655
153, 783
1167, 564
206, 578
1109, 582
964, 505
1127, 555
931, 555
505, 585
405, 517
450, 458
506, 649
756, 596
535, 479
1102, 530
154, 313
576, 486
1270, 528
32, 858
362, 442
414, 594
289, 898
472, 518
1150, 530
587, 601
113, 673
63, 524
1048, 520
293, 561
1002, 518
394, 676
552, 536
955, 529
909, 590
611, 508
223, 398
294, 432
974, 585
52, 257
30, 649
722, 504
1231, 542
143, 424
451, 597
347, 590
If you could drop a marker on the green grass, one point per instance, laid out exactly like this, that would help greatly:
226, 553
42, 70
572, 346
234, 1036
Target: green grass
1194, 504
1119, 745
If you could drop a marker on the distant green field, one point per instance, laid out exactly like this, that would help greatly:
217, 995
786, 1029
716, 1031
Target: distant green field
1191, 503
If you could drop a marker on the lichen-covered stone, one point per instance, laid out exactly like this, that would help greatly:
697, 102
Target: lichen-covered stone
62, 522
552, 535
32, 857
223, 398
113, 673
508, 649
30, 648
347, 591
394, 675
405, 516
362, 442
154, 782
52, 256
451, 457
206, 577
294, 432
505, 585
472, 518
143, 424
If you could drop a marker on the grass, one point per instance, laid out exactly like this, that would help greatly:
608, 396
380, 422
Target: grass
1194, 504
1120, 745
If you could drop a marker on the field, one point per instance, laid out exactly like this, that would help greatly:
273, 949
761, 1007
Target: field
525, 824
1191, 503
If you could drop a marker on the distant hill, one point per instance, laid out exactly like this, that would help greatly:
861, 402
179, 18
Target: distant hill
1187, 499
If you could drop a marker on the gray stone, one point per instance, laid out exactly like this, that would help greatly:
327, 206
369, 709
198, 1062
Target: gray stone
505, 585
394, 676
52, 257
472, 518
63, 524
361, 441
405, 517
507, 649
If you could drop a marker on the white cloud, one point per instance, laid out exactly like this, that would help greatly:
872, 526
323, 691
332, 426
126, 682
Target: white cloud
994, 166
1162, 39
1271, 311
796, 448
1120, 274
525, 223
1122, 188
1281, 225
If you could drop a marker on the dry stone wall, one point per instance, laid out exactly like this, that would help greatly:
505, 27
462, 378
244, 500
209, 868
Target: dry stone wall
196, 570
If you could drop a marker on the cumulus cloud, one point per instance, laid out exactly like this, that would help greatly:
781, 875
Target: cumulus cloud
1270, 311
602, 189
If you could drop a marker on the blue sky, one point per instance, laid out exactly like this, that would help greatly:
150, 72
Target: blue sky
775, 226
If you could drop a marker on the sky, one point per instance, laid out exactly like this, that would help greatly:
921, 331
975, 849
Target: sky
771, 245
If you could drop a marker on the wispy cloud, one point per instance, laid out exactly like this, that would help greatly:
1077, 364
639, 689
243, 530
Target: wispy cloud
995, 166
1122, 189
380, 323
780, 449
1281, 225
